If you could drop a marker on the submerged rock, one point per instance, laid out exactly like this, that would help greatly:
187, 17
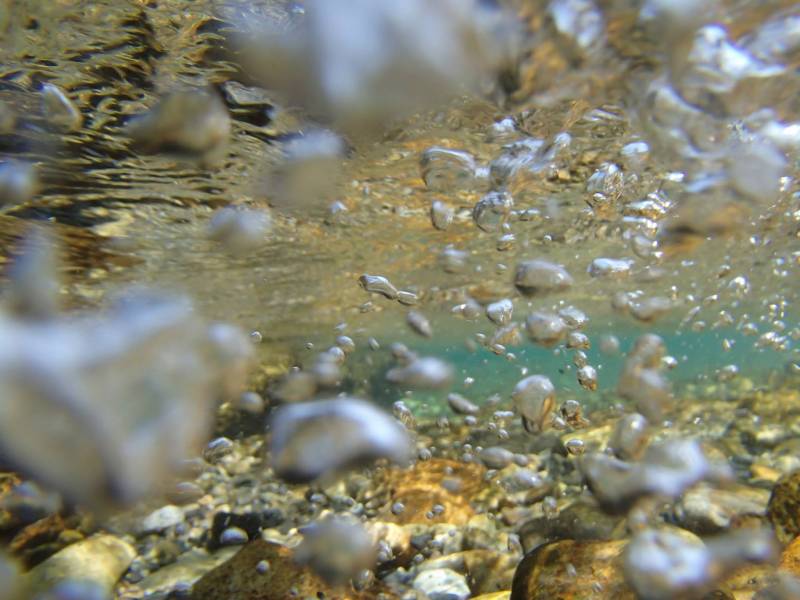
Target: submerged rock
100, 560
783, 509
570, 569
314, 439
442, 584
449, 484
242, 578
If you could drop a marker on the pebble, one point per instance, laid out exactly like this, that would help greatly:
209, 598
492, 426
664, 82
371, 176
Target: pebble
100, 560
161, 519
442, 584
233, 536
217, 449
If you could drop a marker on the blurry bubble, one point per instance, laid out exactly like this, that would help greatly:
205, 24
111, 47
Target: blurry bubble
307, 177
147, 364
461, 405
670, 563
419, 323
545, 328
453, 260
650, 309
379, 285
193, 122
573, 317
578, 340
500, 312
630, 437
402, 413
294, 387
422, 373
336, 548
534, 398
536, 277
59, 111
666, 469
492, 211
587, 377
444, 169
314, 439
33, 285
250, 402
239, 230
19, 183
441, 215
613, 268
381, 60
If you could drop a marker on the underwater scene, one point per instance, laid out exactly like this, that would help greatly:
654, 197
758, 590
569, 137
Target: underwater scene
399, 299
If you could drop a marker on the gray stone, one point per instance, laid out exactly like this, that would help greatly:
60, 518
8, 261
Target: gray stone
186, 570
100, 560
161, 519
442, 584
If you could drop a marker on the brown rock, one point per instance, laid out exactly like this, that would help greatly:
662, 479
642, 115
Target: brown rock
790, 558
546, 572
580, 521
240, 579
448, 483
783, 509
487, 571
705, 509
42, 539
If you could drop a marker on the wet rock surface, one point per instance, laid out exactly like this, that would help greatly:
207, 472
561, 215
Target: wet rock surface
240, 578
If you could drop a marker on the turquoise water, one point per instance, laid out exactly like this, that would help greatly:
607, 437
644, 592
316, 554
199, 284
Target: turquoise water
698, 355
